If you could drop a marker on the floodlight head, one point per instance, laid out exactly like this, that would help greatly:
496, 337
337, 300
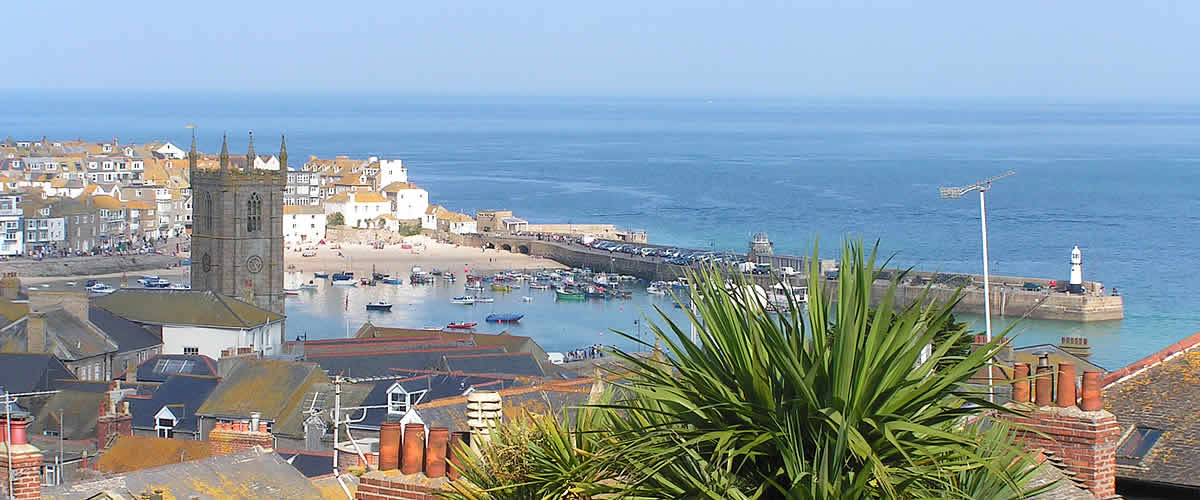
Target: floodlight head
951, 193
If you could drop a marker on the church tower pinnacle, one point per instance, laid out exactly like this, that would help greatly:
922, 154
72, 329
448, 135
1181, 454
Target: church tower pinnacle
192, 155
250, 156
283, 153
224, 158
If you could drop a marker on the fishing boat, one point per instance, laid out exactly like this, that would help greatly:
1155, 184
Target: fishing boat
473, 288
379, 305
461, 325
464, 300
343, 279
101, 289
593, 292
568, 294
539, 286
501, 288
484, 300
504, 318
320, 275
291, 291
393, 281
308, 286
654, 290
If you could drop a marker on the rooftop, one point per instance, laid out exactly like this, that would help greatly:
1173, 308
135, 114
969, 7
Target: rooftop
273, 388
133, 453
184, 307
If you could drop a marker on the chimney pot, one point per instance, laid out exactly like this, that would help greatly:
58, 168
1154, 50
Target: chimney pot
1091, 400
458, 442
1021, 382
1066, 384
389, 445
17, 428
435, 453
1043, 386
262, 427
413, 447
254, 416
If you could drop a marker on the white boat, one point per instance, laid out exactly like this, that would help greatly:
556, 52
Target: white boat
308, 286
484, 300
465, 300
526, 299
539, 286
180, 286
653, 290
291, 291
101, 289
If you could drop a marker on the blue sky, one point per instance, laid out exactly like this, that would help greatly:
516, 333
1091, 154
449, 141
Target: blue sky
1067, 48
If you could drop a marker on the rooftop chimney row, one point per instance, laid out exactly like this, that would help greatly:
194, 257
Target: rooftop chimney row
411, 453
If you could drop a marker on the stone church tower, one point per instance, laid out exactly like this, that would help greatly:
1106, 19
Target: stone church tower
237, 228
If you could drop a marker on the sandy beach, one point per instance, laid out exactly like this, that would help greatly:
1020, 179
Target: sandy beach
424, 252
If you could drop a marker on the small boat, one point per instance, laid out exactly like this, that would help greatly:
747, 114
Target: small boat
180, 286
308, 286
379, 305
393, 281
291, 291
457, 325
320, 275
364, 282
436, 272
504, 318
343, 281
653, 290
539, 286
101, 289
565, 294
526, 299
449, 277
473, 288
484, 300
501, 288
464, 300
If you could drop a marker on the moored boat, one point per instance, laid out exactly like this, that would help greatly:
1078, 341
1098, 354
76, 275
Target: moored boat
568, 294
393, 281
379, 305
461, 325
320, 275
539, 286
291, 291
501, 288
504, 318
343, 279
484, 300
308, 286
464, 300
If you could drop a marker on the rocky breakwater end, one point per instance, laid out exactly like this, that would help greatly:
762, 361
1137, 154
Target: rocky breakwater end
87, 266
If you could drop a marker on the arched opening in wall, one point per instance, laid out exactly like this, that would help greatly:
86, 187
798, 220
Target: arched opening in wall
523, 249
506, 247
253, 213
490, 245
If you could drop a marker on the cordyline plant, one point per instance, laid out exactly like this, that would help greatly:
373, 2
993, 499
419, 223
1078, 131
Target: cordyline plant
834, 400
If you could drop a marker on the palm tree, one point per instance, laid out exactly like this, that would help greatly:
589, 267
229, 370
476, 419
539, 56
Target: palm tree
837, 403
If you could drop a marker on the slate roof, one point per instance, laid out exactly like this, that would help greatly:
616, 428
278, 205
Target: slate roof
31, 372
11, 311
71, 340
80, 412
275, 389
1161, 392
440, 385
510, 343
508, 363
158, 367
183, 394
132, 453
546, 399
308, 463
381, 363
183, 307
253, 473
1057, 355
127, 334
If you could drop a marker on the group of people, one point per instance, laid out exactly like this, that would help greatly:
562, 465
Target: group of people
593, 351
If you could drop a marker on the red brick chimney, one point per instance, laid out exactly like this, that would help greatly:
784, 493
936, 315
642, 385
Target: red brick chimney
26, 462
232, 437
114, 420
1073, 430
423, 464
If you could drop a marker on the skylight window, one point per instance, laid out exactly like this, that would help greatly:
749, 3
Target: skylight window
173, 366
1137, 445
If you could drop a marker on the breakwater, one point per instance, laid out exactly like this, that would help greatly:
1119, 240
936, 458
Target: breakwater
1009, 298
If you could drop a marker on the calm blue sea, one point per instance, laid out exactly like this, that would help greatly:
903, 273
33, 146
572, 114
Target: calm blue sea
1116, 179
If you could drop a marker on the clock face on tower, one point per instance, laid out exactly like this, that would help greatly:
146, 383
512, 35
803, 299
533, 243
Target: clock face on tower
206, 261
254, 264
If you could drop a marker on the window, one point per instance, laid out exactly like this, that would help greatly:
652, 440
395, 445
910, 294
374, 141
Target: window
174, 365
208, 212
1135, 446
49, 475
398, 402
165, 427
192, 351
254, 213
50, 433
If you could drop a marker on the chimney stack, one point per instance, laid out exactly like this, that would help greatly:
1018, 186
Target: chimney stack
20, 461
1077, 346
1078, 432
483, 413
130, 372
232, 437
74, 303
36, 333
412, 449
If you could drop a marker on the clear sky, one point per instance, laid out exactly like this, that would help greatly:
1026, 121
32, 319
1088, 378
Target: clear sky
1053, 48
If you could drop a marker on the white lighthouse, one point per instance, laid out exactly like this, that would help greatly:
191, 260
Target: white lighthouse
1076, 283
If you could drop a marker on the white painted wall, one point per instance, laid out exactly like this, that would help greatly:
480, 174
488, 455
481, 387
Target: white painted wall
392, 171
355, 212
306, 228
411, 203
211, 340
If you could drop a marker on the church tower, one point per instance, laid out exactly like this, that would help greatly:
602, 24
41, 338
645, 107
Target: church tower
237, 229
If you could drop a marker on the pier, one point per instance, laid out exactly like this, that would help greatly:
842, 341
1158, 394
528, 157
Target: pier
1009, 296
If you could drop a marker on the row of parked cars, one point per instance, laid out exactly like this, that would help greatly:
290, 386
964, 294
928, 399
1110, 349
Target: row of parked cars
678, 256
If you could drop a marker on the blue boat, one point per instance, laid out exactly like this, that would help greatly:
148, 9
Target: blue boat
504, 318
393, 281
320, 275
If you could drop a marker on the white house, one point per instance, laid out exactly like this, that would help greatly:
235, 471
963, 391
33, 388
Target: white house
198, 322
266, 162
11, 234
303, 224
454, 222
429, 219
391, 171
358, 208
171, 151
408, 201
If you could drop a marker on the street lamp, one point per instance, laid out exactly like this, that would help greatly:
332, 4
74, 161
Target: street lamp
956, 193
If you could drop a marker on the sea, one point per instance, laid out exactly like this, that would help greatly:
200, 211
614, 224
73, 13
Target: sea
1118, 179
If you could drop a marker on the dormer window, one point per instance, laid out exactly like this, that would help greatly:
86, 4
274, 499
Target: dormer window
400, 401
164, 422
